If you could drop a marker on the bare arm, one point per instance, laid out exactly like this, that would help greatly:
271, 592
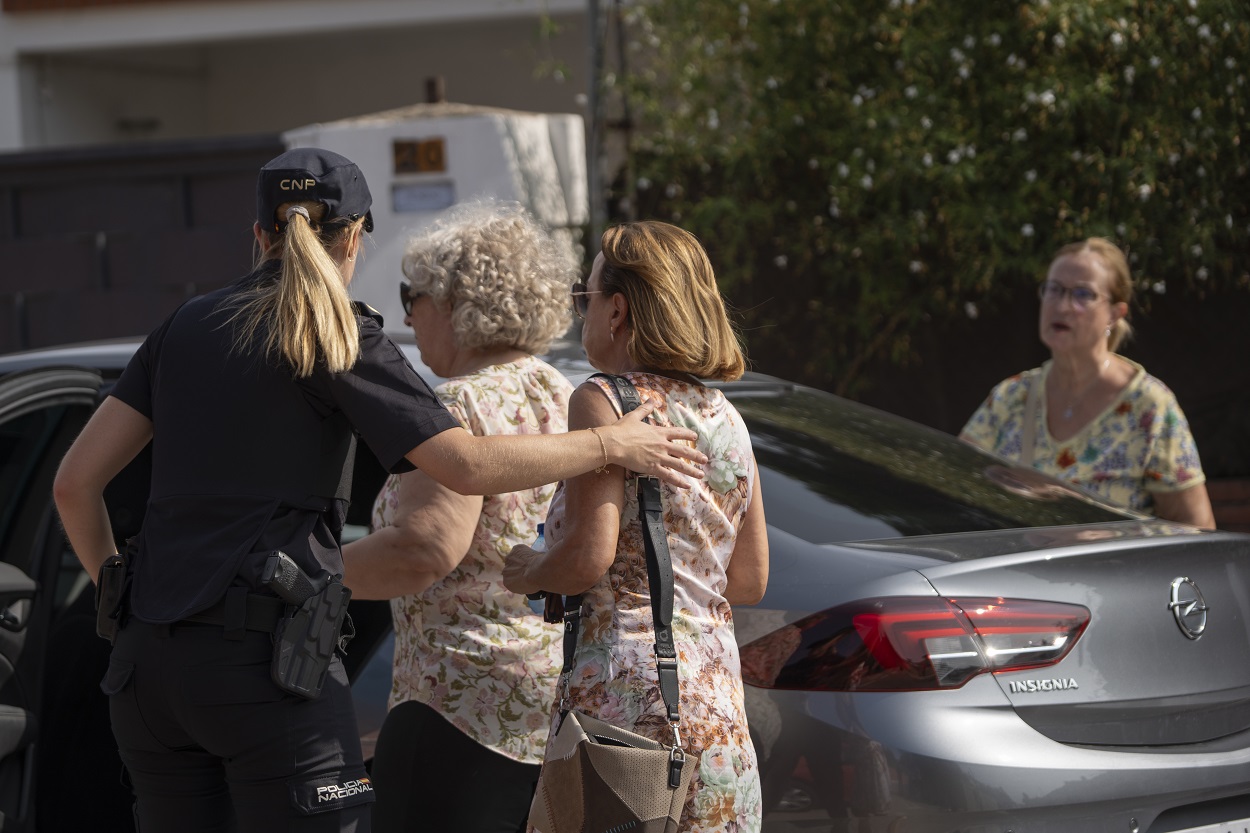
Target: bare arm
110, 440
431, 534
500, 463
1189, 506
586, 546
747, 572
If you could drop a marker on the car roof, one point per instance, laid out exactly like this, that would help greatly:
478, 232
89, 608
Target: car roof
850, 471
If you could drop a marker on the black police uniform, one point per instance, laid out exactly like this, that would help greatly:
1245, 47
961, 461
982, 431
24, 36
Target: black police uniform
246, 459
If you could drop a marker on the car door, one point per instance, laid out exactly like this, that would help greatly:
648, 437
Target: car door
41, 583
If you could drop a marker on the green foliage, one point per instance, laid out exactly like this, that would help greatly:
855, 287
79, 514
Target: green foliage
859, 167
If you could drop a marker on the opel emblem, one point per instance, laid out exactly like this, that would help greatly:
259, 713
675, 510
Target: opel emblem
1188, 607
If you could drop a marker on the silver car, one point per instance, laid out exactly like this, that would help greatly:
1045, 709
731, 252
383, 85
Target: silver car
948, 642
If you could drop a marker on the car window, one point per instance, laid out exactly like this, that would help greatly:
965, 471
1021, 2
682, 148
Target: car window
836, 471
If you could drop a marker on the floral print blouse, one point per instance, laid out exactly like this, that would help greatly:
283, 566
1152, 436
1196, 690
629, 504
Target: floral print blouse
1140, 444
614, 675
468, 648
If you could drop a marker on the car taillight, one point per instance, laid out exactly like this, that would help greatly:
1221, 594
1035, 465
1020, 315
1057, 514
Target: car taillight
911, 644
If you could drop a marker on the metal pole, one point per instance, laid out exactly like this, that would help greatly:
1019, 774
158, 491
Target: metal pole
594, 130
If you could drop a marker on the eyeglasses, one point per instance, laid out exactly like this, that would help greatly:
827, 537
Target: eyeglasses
407, 296
1082, 296
581, 298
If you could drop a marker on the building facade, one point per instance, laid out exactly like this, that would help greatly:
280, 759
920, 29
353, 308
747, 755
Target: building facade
83, 72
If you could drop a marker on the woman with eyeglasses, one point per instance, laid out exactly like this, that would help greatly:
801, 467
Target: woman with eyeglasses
653, 313
1089, 415
475, 669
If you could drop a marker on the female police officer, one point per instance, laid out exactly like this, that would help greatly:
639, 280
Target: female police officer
251, 397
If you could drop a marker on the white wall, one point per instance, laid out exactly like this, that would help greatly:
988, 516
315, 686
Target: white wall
179, 70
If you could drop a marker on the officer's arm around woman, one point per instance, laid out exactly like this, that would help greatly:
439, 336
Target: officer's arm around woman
252, 397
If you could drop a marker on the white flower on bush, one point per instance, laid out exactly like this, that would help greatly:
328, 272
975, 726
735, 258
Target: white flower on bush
970, 310
866, 181
1144, 192
780, 261
1159, 287
1195, 250
1155, 61
1117, 39
1030, 176
1020, 134
1059, 40
1129, 73
915, 267
1202, 273
1026, 230
927, 160
843, 170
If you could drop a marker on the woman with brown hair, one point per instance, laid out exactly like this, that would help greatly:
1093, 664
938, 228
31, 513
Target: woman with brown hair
653, 314
1089, 415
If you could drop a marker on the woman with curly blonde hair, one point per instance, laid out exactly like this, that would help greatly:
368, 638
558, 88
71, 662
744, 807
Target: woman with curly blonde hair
474, 669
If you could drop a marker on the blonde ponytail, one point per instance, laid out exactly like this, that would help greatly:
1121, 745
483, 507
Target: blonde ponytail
307, 314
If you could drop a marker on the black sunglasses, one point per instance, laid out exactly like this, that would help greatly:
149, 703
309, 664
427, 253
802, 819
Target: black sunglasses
407, 296
581, 298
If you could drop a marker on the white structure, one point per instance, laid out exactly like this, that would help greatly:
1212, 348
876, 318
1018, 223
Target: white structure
420, 159
107, 71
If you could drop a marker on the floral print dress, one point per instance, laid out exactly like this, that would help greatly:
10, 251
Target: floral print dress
1139, 445
468, 648
614, 675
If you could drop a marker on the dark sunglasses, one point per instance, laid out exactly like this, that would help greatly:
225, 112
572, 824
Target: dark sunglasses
581, 298
407, 296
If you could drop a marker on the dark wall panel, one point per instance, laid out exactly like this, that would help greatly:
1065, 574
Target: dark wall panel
36, 266
195, 260
60, 317
51, 210
225, 199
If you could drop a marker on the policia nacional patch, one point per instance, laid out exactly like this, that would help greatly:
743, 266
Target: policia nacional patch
321, 795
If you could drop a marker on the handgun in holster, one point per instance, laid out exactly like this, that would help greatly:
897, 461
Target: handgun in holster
111, 589
312, 628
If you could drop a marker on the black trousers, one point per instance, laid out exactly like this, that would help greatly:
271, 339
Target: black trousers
213, 745
432, 776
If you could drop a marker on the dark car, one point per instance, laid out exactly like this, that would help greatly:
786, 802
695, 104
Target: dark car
948, 642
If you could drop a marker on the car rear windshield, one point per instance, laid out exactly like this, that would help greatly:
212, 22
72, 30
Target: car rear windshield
836, 471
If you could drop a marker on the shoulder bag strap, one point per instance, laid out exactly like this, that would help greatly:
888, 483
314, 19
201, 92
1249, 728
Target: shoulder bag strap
659, 580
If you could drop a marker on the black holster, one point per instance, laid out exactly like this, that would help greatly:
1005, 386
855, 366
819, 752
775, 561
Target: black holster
112, 588
307, 637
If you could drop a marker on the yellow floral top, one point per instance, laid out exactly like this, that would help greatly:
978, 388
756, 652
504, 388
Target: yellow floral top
468, 648
614, 675
1140, 444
